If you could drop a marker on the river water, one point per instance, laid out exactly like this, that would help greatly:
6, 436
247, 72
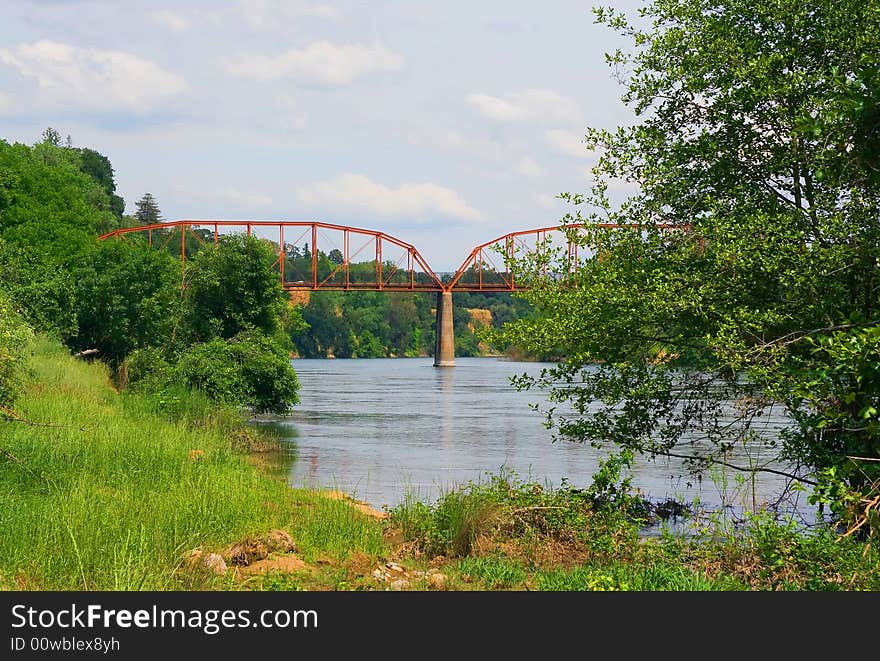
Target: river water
385, 429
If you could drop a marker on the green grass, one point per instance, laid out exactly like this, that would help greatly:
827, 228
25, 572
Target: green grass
108, 491
501, 573
504, 534
494, 572
115, 492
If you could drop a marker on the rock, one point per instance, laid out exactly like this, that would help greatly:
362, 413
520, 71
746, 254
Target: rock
378, 574
281, 541
193, 558
399, 584
215, 562
437, 580
246, 552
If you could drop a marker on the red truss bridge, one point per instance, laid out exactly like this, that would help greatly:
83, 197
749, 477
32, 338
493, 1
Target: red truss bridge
316, 256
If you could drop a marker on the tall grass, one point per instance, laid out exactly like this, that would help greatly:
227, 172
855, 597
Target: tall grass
511, 535
109, 492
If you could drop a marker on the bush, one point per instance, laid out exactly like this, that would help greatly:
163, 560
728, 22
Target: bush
249, 370
42, 292
15, 338
147, 369
503, 507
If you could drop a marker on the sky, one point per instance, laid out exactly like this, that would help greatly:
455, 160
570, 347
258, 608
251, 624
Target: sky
444, 124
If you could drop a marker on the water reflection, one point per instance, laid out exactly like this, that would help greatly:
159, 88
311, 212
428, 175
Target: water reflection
446, 378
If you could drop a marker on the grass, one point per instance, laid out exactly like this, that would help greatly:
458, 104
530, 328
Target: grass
110, 491
505, 534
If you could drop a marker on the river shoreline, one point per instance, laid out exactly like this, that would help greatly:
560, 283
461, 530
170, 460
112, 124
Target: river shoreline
111, 491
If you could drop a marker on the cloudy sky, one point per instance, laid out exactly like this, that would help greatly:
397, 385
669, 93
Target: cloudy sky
445, 124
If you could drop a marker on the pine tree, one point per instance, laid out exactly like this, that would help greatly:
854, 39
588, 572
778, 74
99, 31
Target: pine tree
52, 136
147, 210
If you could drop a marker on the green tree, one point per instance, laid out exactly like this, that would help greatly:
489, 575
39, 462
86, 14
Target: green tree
126, 297
148, 212
47, 203
42, 293
231, 288
329, 317
403, 320
757, 137
52, 137
15, 337
98, 167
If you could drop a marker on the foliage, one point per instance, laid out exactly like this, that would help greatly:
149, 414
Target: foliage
148, 212
42, 293
746, 280
221, 336
366, 324
248, 370
47, 203
100, 169
119, 297
503, 507
231, 288
15, 337
126, 298
770, 555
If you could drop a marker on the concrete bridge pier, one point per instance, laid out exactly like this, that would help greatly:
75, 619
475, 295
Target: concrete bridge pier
444, 344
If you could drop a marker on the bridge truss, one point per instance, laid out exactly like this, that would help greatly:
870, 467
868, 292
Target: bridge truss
315, 256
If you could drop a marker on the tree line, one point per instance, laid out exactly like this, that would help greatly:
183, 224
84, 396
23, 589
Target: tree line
221, 331
221, 324
372, 324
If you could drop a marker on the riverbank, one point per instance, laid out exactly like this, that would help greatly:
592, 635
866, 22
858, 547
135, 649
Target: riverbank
102, 490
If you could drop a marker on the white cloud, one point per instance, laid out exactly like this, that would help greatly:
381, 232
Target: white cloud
505, 153
291, 116
246, 199
257, 15
409, 201
567, 143
474, 145
320, 62
527, 166
92, 78
530, 105
268, 14
495, 108
172, 20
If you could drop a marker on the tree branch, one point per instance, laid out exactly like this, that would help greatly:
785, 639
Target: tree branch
796, 336
8, 415
739, 468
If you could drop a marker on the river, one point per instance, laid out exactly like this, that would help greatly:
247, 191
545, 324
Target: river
385, 429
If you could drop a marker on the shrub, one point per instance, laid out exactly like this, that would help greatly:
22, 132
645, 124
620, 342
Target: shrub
15, 338
248, 370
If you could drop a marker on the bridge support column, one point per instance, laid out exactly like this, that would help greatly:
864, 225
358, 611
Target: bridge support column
444, 344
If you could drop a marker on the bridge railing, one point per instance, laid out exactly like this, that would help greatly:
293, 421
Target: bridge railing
311, 255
